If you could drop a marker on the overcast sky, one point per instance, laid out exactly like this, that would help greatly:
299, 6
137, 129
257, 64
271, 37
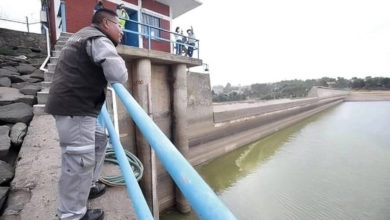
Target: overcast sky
257, 41
17, 10
249, 41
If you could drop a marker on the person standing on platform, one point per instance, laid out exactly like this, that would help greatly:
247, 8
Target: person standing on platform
87, 62
122, 15
191, 41
178, 38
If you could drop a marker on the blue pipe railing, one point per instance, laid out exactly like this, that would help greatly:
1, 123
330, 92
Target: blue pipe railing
201, 197
63, 16
150, 37
134, 191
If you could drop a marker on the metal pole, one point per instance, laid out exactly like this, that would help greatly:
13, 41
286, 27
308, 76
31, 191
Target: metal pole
28, 28
133, 189
149, 40
63, 16
198, 49
48, 49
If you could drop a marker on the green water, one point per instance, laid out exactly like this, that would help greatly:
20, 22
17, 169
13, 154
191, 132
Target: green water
335, 165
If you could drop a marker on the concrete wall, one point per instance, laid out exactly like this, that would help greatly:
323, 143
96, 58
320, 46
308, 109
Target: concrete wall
199, 106
23, 40
318, 91
160, 110
366, 95
229, 115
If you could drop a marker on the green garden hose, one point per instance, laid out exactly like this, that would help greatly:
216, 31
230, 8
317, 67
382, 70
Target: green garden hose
135, 163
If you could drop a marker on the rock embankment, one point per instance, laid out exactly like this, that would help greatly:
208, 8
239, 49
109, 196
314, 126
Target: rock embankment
19, 83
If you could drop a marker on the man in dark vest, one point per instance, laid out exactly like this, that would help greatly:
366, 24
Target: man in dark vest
87, 62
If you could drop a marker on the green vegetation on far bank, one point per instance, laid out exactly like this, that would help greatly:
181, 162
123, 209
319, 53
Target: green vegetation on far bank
294, 88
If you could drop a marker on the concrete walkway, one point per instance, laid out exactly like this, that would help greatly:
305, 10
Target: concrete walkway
37, 173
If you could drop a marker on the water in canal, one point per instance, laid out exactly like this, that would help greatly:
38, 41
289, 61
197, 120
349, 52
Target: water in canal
334, 165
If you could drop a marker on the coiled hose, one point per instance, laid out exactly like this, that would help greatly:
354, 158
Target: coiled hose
135, 163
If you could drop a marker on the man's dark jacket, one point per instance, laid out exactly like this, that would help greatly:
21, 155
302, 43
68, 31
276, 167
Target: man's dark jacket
78, 87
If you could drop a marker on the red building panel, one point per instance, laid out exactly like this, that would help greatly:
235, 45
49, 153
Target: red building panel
156, 6
159, 44
79, 14
134, 2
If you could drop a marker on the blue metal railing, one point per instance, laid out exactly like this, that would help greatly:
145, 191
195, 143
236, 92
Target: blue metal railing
149, 36
201, 197
139, 203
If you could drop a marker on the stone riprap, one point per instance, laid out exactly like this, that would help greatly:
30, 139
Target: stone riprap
18, 132
6, 172
3, 194
19, 83
16, 112
5, 140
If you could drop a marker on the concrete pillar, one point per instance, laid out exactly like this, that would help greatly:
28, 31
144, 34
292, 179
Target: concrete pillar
179, 123
141, 92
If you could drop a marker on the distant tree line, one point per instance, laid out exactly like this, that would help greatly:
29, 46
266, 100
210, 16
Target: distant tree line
294, 88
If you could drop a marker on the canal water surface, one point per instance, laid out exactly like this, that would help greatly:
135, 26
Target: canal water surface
334, 165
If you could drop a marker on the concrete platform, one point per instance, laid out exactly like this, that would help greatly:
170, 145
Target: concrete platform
37, 173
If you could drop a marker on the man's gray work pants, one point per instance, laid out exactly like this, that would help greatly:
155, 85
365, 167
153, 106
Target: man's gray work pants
83, 144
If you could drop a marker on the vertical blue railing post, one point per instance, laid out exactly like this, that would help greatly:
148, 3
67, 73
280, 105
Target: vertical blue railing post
149, 38
204, 201
198, 49
134, 191
63, 16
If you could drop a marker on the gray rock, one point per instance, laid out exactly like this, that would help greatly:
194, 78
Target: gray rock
28, 99
5, 142
7, 72
8, 63
6, 172
34, 80
21, 57
38, 74
19, 85
27, 78
18, 132
5, 82
37, 84
16, 79
16, 201
30, 90
3, 194
16, 112
25, 68
12, 95
10, 68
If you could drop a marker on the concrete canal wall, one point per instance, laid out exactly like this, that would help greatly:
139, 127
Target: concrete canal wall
365, 95
237, 124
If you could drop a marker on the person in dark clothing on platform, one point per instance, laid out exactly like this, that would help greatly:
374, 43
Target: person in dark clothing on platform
87, 62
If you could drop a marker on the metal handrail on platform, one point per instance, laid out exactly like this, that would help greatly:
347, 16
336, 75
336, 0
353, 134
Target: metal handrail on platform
168, 40
202, 198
